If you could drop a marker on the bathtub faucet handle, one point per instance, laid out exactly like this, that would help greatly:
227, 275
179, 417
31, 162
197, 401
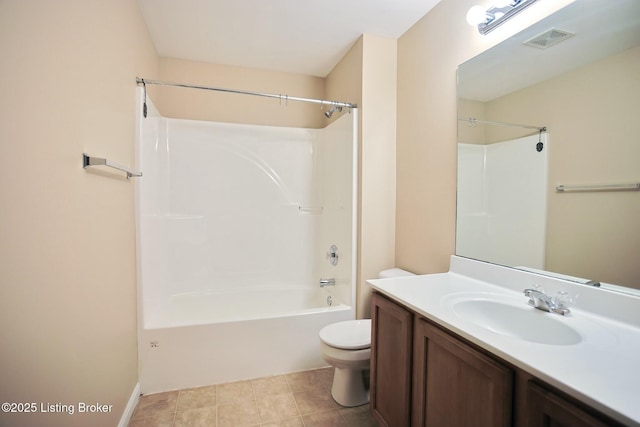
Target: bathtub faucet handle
333, 255
327, 282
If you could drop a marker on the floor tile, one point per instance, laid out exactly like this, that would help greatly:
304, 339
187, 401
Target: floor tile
155, 404
269, 386
234, 392
200, 417
243, 414
325, 419
200, 397
325, 375
312, 401
300, 399
306, 380
277, 407
359, 416
160, 420
291, 422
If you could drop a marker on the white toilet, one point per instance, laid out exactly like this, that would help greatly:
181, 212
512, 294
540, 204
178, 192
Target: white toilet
347, 347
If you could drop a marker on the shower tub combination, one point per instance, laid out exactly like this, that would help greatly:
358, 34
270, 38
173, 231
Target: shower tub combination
491, 178
234, 227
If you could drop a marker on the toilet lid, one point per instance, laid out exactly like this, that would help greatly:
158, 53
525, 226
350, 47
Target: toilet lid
348, 335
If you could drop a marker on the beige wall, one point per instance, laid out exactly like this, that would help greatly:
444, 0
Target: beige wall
378, 164
428, 55
344, 82
233, 108
589, 112
67, 236
367, 75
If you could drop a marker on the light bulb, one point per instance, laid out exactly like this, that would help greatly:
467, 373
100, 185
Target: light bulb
476, 15
501, 3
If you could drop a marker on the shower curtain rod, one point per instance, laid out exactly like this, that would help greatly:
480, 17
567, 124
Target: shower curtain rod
472, 121
285, 98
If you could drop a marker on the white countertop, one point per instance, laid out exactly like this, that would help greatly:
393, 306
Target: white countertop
602, 370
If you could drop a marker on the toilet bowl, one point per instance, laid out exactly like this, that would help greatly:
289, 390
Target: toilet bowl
347, 347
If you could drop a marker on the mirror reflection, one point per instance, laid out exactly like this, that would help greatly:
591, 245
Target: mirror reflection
555, 107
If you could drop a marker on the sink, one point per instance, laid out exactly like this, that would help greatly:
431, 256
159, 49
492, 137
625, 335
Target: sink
514, 318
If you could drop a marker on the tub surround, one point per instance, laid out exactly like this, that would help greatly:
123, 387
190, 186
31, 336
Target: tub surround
600, 370
233, 223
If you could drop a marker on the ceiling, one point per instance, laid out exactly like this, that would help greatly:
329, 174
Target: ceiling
299, 36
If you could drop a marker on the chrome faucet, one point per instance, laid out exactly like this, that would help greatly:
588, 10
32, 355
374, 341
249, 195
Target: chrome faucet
327, 282
542, 301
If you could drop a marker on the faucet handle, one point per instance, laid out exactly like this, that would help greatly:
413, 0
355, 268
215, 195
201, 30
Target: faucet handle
564, 300
538, 288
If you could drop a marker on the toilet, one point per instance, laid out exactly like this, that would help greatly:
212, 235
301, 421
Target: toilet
347, 347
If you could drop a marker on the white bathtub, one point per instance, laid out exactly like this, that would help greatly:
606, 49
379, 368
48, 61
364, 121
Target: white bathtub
249, 304
195, 340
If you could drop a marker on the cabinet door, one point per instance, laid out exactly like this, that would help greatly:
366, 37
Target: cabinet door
457, 385
390, 362
547, 409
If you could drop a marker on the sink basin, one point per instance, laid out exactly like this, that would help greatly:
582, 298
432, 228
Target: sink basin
514, 319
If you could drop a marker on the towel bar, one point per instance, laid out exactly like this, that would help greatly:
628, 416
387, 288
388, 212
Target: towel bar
603, 187
99, 161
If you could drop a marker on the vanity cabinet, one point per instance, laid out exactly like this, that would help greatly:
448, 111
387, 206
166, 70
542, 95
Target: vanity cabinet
424, 376
392, 332
456, 385
547, 408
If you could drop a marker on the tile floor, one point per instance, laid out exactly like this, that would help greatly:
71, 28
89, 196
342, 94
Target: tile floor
298, 399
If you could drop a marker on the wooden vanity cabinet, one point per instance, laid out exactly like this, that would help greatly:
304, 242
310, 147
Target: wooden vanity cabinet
455, 385
546, 408
424, 376
392, 332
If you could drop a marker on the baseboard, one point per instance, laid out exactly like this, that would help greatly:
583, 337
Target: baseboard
131, 406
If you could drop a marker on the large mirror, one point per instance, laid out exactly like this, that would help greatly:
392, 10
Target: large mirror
556, 107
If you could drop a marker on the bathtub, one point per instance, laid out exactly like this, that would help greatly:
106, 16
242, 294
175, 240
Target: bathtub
192, 340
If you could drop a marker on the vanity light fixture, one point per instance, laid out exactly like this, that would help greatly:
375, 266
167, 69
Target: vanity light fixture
496, 14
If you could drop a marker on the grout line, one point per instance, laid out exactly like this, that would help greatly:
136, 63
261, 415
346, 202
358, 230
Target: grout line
295, 402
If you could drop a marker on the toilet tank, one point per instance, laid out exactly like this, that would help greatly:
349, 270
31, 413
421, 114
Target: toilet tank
394, 272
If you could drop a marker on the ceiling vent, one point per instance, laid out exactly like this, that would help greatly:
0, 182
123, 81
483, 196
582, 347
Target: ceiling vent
548, 38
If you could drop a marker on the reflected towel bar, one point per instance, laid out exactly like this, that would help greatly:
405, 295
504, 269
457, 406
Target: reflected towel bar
604, 187
98, 161
310, 210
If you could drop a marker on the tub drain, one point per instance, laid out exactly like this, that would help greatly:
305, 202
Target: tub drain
329, 300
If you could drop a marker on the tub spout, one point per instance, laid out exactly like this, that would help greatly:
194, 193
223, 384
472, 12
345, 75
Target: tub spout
327, 282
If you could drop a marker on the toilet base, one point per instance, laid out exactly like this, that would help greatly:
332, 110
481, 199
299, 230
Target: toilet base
350, 387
